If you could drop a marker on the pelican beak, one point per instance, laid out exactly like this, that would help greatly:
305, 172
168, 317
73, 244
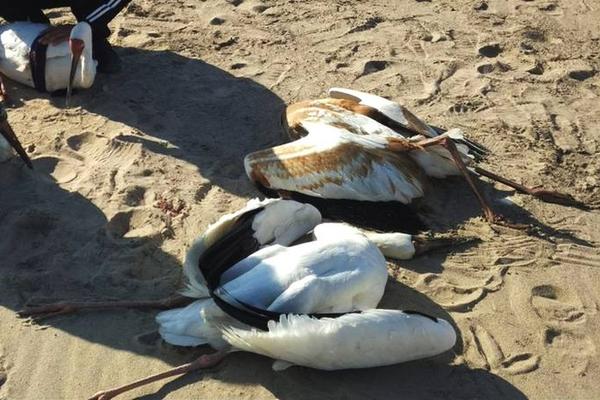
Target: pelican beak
9, 135
76, 46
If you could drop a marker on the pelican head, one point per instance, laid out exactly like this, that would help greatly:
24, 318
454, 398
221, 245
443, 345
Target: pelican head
80, 40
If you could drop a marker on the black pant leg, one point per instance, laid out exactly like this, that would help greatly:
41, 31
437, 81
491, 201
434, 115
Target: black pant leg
98, 13
27, 10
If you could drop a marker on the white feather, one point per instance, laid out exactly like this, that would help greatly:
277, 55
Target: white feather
281, 221
191, 325
387, 107
370, 339
338, 274
383, 180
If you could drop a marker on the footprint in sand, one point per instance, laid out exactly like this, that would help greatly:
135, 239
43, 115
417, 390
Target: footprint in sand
373, 66
556, 306
98, 148
490, 50
487, 68
274, 74
133, 196
135, 226
563, 317
82, 143
460, 298
578, 256
483, 350
466, 106
61, 170
577, 348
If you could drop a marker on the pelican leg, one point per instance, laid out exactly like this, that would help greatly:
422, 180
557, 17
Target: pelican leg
39, 312
8, 133
204, 361
426, 243
3, 91
549, 196
489, 214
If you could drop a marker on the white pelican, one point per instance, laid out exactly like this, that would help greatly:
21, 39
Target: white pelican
48, 68
357, 146
311, 304
9, 141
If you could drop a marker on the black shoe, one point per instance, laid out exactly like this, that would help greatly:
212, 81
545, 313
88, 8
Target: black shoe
109, 61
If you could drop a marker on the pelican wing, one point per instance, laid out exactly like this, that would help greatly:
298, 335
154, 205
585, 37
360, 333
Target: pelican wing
390, 109
333, 163
336, 112
402, 118
369, 339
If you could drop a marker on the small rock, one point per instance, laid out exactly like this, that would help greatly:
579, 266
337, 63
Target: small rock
438, 37
497, 66
239, 65
480, 5
547, 7
226, 43
490, 50
485, 68
592, 181
426, 37
527, 48
216, 21
536, 69
374, 66
260, 8
535, 35
235, 2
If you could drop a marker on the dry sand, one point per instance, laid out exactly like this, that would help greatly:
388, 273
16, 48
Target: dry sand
148, 158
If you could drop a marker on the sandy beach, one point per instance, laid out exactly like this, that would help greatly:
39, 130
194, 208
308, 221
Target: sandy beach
146, 159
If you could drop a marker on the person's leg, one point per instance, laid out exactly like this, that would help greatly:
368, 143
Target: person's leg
29, 10
98, 13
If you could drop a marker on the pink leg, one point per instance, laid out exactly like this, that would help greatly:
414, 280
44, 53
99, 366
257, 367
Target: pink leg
65, 307
548, 196
487, 210
205, 361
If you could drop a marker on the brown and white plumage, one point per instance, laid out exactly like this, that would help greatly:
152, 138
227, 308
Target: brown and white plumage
343, 150
334, 163
355, 146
